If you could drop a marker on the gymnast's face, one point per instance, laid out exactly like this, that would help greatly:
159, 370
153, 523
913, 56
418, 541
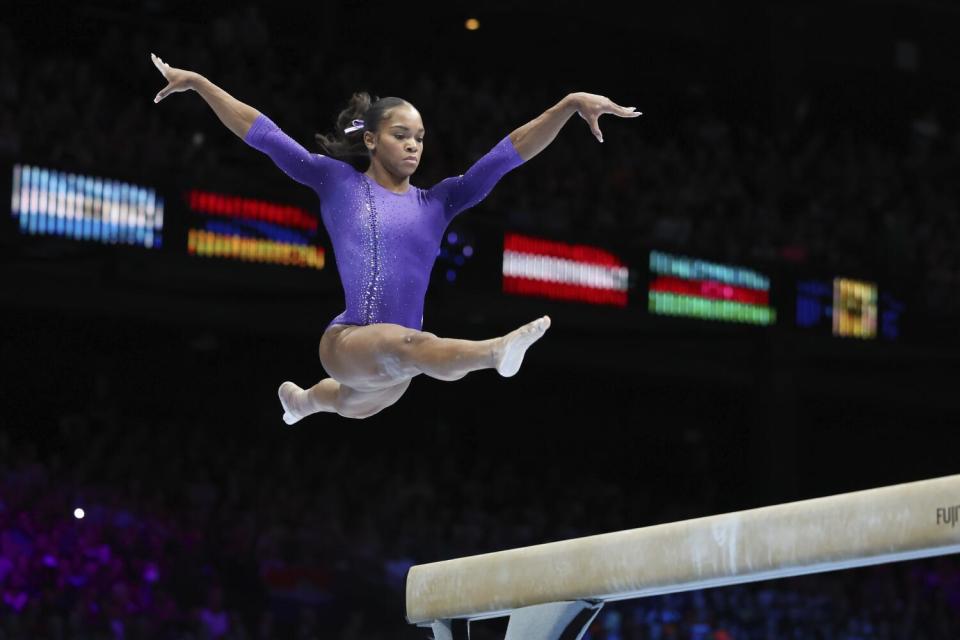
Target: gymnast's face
400, 137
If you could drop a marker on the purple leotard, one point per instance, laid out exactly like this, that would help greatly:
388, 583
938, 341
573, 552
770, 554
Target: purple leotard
384, 243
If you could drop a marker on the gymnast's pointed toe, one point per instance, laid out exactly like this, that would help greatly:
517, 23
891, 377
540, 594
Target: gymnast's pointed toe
286, 392
509, 354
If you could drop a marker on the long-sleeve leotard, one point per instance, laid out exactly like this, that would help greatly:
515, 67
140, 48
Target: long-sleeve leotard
384, 243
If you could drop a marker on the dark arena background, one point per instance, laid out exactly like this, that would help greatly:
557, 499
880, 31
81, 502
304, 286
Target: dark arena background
754, 290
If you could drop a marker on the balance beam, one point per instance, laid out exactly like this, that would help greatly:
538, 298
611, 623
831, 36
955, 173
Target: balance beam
548, 589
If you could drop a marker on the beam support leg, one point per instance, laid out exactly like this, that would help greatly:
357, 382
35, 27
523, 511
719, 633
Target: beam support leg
450, 629
552, 621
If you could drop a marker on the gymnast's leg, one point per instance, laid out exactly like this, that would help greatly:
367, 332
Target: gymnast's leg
381, 359
331, 396
382, 355
299, 403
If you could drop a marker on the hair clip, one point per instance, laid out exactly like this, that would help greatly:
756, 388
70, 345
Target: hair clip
357, 124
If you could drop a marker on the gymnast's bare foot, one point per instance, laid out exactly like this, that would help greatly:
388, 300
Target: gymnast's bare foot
291, 397
508, 353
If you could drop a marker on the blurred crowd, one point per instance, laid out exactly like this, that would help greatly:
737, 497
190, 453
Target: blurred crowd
186, 533
879, 204
203, 528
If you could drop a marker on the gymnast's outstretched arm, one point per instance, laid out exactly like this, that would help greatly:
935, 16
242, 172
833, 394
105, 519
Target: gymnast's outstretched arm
533, 137
257, 130
237, 116
462, 192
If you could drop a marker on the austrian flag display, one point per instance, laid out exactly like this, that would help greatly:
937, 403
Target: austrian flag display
537, 267
681, 286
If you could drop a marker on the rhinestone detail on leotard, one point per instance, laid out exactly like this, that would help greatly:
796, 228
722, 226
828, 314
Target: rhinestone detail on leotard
384, 244
372, 298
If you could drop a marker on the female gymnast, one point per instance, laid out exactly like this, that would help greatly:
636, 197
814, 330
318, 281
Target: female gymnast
386, 234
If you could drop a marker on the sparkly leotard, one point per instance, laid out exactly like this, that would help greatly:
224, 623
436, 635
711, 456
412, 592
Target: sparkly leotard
384, 243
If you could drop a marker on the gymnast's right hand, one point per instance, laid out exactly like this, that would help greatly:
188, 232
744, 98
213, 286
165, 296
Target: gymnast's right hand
179, 79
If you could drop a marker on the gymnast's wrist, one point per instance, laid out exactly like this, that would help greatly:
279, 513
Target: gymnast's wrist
570, 102
196, 82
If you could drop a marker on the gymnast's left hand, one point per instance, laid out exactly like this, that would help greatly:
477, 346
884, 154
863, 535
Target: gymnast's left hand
591, 107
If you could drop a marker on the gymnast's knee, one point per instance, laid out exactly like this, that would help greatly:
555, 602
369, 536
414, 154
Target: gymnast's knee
418, 337
410, 343
357, 415
348, 404
363, 405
